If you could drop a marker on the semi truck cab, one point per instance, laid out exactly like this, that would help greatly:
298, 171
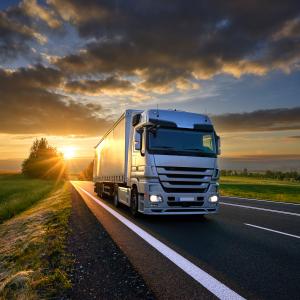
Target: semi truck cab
174, 162
170, 166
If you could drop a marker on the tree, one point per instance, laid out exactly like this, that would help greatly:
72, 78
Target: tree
87, 173
245, 172
44, 161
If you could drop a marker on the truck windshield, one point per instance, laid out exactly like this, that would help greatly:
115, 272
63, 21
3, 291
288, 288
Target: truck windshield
182, 142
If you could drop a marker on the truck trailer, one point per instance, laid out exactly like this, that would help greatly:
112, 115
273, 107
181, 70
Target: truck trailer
160, 162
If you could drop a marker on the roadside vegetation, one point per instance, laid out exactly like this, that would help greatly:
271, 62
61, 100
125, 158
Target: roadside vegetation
18, 192
260, 188
43, 171
292, 176
87, 173
34, 213
33, 260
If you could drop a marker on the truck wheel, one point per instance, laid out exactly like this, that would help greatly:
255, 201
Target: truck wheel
134, 202
100, 190
116, 196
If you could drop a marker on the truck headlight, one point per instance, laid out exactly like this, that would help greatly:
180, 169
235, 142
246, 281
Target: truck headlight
155, 198
213, 199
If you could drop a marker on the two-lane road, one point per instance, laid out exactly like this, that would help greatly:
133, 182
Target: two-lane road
251, 249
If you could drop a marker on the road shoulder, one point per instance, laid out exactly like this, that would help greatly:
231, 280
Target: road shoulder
100, 270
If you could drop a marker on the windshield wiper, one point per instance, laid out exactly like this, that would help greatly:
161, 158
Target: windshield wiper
165, 147
200, 151
196, 149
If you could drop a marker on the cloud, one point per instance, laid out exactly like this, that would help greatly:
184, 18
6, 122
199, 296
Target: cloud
294, 137
33, 100
21, 29
30, 104
165, 43
15, 37
164, 46
24, 26
259, 120
80, 11
290, 29
29, 78
33, 9
165, 80
111, 85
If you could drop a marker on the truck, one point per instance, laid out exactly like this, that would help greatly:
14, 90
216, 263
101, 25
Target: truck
159, 162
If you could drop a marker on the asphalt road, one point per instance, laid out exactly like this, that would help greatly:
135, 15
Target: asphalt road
251, 247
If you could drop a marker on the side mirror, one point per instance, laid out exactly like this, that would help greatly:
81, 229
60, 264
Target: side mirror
143, 140
137, 141
218, 145
136, 119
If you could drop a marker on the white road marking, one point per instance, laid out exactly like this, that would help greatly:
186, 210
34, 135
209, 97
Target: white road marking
260, 200
272, 230
210, 283
263, 209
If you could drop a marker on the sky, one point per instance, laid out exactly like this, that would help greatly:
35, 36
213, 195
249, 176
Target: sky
69, 68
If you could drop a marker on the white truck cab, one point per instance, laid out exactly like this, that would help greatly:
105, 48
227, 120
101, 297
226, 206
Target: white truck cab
160, 162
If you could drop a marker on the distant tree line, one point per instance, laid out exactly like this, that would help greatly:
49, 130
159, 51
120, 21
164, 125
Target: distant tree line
87, 173
279, 175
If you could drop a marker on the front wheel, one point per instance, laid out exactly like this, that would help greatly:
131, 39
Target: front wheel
134, 202
100, 189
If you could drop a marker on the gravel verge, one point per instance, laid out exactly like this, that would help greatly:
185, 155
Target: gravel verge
100, 269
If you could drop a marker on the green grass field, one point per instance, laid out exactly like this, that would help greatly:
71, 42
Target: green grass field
33, 257
258, 188
17, 193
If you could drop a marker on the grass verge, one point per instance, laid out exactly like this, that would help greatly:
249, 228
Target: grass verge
32, 254
17, 193
257, 188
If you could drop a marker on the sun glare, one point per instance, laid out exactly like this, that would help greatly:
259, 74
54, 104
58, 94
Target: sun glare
68, 152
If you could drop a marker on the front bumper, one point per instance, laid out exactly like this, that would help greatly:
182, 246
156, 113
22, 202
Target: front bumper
172, 204
181, 211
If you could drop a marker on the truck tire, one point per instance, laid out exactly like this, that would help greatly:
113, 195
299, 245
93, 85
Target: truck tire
99, 190
134, 202
116, 197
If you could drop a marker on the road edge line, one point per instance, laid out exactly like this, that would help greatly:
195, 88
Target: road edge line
213, 285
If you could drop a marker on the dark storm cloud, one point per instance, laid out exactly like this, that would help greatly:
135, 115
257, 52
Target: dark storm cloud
183, 39
29, 104
32, 9
29, 78
23, 26
15, 37
163, 43
111, 84
260, 120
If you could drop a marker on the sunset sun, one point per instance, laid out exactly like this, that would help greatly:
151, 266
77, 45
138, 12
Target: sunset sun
68, 152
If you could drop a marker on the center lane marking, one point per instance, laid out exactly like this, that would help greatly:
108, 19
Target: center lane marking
272, 230
260, 200
263, 209
210, 283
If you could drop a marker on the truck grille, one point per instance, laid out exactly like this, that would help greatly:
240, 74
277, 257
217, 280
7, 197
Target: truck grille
184, 180
185, 204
